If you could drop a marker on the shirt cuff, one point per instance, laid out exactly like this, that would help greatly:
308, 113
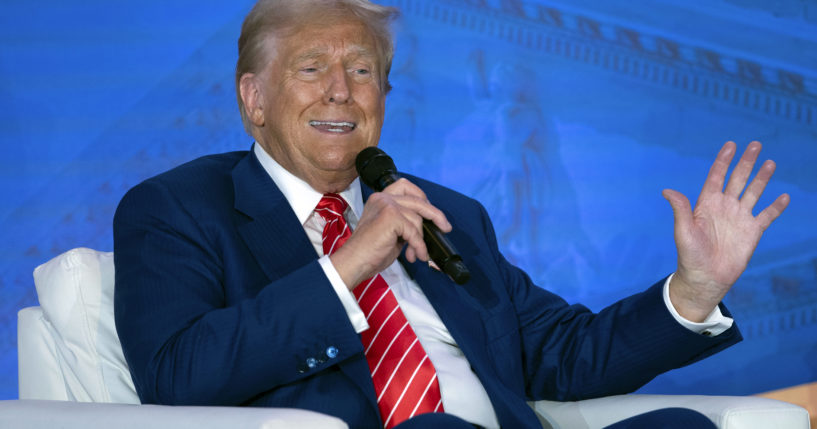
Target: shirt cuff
714, 324
347, 299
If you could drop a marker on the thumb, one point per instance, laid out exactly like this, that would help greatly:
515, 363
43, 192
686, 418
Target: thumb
681, 208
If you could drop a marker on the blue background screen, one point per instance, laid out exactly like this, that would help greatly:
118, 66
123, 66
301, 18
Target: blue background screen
566, 119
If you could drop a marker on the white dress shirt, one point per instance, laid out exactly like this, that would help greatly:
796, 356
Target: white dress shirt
462, 393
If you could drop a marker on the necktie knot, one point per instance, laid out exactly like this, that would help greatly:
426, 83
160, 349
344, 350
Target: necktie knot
336, 231
331, 206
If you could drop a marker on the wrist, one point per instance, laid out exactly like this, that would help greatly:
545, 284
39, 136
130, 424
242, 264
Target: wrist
351, 270
689, 301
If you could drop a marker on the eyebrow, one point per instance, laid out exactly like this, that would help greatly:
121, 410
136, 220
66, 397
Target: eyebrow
315, 53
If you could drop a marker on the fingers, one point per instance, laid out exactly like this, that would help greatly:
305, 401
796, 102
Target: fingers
411, 232
742, 170
414, 199
411, 256
752, 193
717, 173
681, 208
394, 218
387, 225
403, 187
755, 189
769, 214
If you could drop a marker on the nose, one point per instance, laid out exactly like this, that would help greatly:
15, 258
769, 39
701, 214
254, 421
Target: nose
337, 86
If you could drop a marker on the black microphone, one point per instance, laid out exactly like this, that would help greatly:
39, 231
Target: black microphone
377, 170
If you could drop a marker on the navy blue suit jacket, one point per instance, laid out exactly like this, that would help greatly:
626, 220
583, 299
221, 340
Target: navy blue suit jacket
220, 300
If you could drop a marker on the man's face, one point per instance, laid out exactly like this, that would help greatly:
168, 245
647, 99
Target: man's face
321, 102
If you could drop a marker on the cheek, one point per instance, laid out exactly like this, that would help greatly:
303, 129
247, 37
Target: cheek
288, 111
375, 106
295, 96
379, 114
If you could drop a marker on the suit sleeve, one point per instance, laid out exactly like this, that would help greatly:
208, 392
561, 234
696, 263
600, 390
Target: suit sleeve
571, 353
183, 342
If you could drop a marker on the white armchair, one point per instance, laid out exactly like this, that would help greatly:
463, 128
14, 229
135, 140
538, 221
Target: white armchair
72, 371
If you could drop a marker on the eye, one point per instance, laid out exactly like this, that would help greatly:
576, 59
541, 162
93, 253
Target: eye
361, 74
309, 72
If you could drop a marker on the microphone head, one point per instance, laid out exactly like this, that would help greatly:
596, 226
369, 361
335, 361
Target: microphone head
375, 168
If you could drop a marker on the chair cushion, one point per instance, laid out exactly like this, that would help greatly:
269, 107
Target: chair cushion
39, 372
33, 414
727, 412
75, 290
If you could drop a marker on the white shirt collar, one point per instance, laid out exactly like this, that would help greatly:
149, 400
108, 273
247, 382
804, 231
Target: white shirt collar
302, 197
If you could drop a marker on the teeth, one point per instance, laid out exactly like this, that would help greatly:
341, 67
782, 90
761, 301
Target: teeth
335, 124
332, 124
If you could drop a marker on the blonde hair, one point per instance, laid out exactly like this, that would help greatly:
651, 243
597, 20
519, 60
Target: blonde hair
271, 16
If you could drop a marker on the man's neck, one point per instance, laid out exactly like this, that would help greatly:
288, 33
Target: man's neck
302, 196
323, 181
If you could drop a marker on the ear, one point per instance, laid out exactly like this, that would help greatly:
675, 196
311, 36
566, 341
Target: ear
252, 98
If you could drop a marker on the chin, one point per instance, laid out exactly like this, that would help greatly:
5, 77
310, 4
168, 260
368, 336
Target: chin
340, 160
338, 167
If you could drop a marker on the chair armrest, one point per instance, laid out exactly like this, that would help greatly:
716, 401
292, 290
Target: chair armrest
37, 367
727, 412
39, 414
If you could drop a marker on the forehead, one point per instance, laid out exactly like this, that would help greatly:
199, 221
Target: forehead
313, 40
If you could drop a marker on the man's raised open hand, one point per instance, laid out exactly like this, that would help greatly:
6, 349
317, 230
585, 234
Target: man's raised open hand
716, 240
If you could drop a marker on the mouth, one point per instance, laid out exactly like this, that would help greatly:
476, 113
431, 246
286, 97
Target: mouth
338, 127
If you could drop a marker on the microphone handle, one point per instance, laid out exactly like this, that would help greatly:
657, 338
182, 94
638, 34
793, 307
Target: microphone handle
440, 250
443, 253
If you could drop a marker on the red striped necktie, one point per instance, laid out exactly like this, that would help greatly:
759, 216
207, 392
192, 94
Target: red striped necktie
404, 378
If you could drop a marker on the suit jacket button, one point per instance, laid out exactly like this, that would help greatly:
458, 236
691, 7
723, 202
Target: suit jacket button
311, 362
331, 352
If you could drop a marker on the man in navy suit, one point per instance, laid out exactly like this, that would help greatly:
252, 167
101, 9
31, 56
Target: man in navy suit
224, 295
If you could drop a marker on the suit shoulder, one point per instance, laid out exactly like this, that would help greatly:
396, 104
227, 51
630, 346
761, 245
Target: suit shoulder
198, 180
201, 171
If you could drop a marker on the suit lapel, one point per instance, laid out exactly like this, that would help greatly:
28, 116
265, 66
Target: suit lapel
460, 312
278, 242
271, 230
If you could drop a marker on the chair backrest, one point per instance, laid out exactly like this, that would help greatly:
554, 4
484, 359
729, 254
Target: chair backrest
68, 348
